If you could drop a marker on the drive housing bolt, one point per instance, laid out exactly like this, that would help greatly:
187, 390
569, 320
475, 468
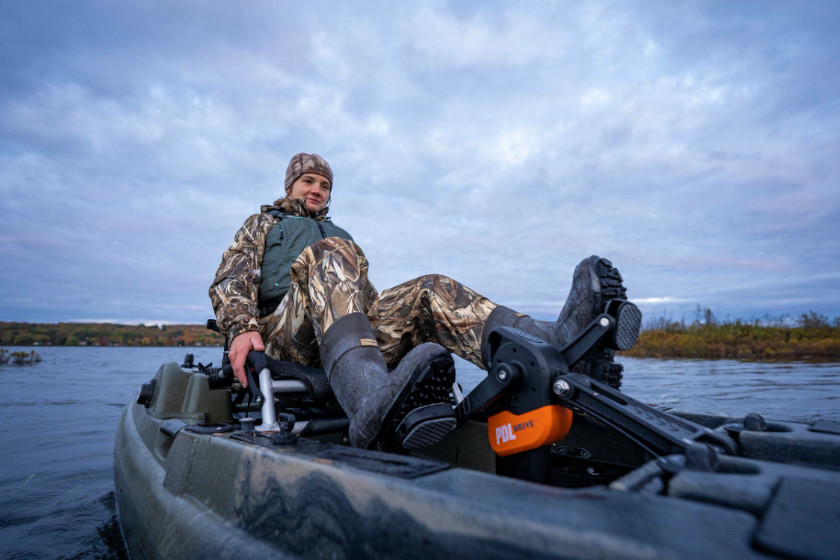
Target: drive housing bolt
562, 388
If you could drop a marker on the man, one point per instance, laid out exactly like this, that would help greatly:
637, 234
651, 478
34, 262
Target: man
295, 285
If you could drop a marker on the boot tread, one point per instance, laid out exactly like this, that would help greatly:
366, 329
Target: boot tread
601, 365
612, 284
430, 383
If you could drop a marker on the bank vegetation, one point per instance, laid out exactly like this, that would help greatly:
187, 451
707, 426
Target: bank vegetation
811, 336
106, 334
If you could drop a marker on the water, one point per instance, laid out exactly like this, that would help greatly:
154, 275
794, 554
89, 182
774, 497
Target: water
783, 391
58, 419
57, 424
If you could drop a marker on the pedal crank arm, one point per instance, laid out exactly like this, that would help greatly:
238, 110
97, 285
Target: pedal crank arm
657, 431
591, 336
500, 381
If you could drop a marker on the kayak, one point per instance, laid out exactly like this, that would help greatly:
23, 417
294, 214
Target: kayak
544, 463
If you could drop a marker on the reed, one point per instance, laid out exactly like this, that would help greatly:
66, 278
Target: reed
19, 358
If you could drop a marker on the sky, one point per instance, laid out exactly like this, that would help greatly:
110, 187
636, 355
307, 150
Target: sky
694, 144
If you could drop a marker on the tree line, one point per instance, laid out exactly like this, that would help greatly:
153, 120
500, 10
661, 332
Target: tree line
106, 334
809, 336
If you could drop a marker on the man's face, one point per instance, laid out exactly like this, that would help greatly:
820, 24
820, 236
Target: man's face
314, 189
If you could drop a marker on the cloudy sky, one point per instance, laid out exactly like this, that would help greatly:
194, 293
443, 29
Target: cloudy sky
696, 144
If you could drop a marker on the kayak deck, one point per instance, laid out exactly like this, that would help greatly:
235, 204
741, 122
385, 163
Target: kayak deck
191, 483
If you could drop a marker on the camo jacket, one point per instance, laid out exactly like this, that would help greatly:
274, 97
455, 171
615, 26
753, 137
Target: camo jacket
234, 292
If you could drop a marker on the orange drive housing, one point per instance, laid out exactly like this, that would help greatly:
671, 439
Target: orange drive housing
510, 433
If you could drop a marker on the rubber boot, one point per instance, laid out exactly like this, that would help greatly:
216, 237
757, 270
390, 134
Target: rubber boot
594, 283
376, 400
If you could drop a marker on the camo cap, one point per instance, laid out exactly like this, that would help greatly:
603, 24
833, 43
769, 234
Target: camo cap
306, 163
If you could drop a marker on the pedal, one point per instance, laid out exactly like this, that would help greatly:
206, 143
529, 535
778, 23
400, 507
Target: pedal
628, 323
426, 426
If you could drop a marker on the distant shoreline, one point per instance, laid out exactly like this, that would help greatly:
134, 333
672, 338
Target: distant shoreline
107, 334
812, 337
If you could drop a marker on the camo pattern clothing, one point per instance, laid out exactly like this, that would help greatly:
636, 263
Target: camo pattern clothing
329, 279
234, 292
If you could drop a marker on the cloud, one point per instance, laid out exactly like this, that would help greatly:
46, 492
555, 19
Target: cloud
498, 143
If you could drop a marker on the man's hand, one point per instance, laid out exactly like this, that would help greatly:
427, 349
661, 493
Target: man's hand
238, 353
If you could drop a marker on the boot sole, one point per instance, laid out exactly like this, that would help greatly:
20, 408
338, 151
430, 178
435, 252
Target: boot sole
601, 365
612, 284
431, 383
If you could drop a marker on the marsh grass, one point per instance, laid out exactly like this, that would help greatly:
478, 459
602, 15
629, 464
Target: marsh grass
19, 358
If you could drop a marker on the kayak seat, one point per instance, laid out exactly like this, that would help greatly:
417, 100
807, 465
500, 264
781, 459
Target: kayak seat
315, 413
314, 378
300, 393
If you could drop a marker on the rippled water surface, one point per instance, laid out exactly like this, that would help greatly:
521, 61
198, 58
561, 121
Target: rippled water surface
58, 419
